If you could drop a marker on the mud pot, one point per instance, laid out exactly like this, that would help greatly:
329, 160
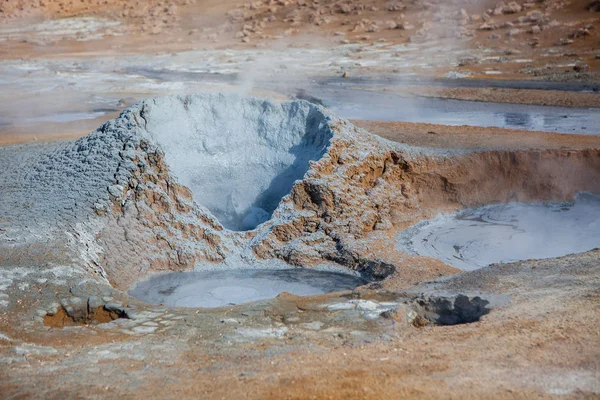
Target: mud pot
231, 287
474, 238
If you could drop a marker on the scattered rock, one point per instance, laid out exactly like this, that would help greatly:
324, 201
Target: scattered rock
144, 329
391, 25
230, 321
405, 26
313, 326
451, 310
365, 305
594, 6
486, 27
535, 16
512, 8
581, 67
467, 60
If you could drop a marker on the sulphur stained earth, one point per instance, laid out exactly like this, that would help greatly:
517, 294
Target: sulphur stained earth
230, 287
501, 233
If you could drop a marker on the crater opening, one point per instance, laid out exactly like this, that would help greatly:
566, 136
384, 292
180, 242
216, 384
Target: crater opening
239, 156
450, 310
230, 287
502, 233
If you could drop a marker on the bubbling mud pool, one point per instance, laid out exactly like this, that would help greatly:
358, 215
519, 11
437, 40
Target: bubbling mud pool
502, 233
229, 287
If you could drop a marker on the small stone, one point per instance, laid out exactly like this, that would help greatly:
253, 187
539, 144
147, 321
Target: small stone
535, 29
371, 315
341, 306
116, 191
391, 25
94, 302
535, 16
513, 32
114, 307
486, 27
52, 308
230, 321
144, 329
100, 208
313, 326
398, 315
366, 305
512, 8
581, 67
467, 60
41, 313
554, 23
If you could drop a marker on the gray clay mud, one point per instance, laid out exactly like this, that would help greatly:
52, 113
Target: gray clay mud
502, 233
229, 287
238, 156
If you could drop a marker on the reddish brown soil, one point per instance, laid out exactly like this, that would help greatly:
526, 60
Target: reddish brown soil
499, 95
469, 137
156, 26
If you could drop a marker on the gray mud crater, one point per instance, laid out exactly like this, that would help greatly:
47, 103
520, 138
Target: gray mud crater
238, 156
229, 287
502, 233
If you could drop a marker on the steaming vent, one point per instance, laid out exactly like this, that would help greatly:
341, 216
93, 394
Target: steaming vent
239, 156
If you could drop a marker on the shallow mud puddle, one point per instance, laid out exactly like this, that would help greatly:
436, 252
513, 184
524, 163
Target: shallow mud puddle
369, 105
230, 287
63, 117
474, 238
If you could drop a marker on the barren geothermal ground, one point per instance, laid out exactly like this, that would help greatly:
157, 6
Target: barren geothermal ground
299, 199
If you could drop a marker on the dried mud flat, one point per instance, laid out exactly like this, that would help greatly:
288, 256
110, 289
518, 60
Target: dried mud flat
83, 218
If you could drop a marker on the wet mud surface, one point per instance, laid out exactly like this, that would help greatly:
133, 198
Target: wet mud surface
474, 238
230, 287
368, 105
